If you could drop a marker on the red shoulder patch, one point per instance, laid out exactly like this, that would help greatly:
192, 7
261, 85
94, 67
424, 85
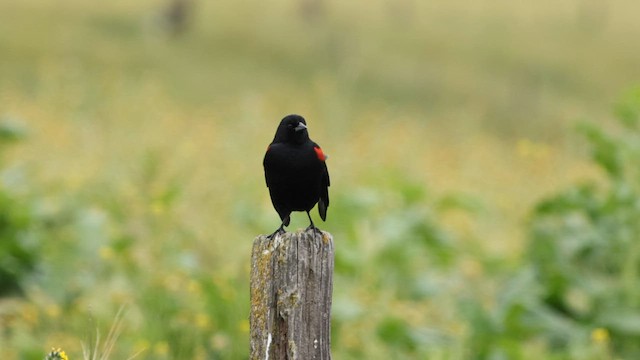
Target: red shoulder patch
321, 156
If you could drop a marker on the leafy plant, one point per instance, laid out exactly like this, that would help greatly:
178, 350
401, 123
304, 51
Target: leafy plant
399, 250
585, 241
576, 293
18, 255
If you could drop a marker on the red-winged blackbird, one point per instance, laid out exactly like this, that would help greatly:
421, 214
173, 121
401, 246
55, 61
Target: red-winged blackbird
296, 172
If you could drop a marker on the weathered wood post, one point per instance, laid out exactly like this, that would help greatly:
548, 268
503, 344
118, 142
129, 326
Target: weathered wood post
291, 287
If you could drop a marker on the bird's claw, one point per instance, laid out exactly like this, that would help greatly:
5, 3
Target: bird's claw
314, 228
280, 230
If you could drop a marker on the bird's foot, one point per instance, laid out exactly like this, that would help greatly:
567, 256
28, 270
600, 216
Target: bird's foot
314, 228
280, 230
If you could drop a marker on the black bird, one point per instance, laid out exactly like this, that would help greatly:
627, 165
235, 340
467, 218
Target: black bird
296, 172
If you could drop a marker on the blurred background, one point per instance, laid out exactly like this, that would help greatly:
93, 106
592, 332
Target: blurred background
484, 161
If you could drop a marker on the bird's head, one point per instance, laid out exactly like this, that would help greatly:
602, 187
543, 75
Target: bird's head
292, 129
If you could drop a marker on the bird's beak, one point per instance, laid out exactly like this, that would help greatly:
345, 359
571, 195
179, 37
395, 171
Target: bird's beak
300, 127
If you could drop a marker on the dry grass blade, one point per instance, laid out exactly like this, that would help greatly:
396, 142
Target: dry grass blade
97, 352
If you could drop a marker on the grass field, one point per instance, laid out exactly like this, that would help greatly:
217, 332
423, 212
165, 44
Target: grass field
140, 182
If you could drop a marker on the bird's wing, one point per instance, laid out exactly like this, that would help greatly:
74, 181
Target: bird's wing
323, 203
267, 159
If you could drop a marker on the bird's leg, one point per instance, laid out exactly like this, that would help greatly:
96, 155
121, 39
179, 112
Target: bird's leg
312, 226
280, 230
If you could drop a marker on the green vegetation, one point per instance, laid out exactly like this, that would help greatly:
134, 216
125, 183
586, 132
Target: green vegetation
576, 292
131, 184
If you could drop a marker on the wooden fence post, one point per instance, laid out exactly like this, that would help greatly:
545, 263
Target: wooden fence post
291, 287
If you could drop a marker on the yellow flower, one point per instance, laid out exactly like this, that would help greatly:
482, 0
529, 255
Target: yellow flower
30, 314
141, 345
194, 287
161, 348
106, 253
202, 320
57, 354
244, 326
600, 335
158, 207
529, 149
53, 311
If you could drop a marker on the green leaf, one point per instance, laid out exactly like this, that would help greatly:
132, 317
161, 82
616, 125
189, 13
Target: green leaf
396, 332
628, 110
11, 129
605, 150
